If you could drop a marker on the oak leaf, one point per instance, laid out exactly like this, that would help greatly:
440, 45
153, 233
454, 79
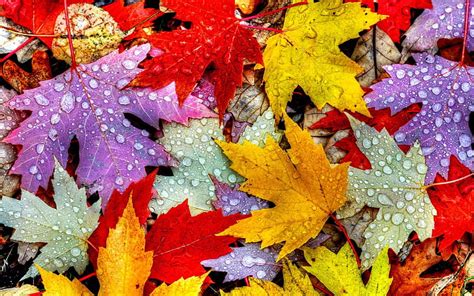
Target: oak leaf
306, 54
301, 182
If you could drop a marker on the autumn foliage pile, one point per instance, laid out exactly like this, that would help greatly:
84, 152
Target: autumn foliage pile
218, 147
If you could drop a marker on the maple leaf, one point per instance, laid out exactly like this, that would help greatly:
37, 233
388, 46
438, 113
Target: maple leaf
199, 156
442, 126
394, 185
307, 54
336, 120
443, 21
410, 277
88, 103
245, 261
123, 266
216, 37
295, 283
341, 275
38, 16
399, 17
304, 194
181, 241
140, 193
453, 202
64, 229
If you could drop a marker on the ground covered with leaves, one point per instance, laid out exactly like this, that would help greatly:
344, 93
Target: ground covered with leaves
236, 148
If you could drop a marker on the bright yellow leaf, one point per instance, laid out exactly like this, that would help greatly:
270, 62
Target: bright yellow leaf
182, 287
307, 54
340, 274
295, 283
301, 182
59, 285
123, 265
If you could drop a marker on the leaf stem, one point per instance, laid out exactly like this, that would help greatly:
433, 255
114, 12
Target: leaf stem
86, 277
16, 32
273, 11
263, 28
321, 288
346, 235
156, 14
11, 53
69, 36
449, 182
467, 8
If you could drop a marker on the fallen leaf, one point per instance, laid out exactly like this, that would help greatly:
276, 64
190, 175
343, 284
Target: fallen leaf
394, 185
442, 126
140, 193
433, 24
65, 229
55, 284
341, 275
216, 37
199, 157
305, 192
180, 242
307, 55
88, 103
123, 266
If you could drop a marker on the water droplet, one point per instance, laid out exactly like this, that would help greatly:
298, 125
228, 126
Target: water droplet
261, 274
55, 118
120, 138
421, 168
397, 218
41, 100
410, 209
124, 100
138, 146
33, 170
119, 181
128, 64
75, 252
93, 83
384, 199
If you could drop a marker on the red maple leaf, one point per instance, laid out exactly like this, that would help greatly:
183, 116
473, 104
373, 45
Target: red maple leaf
336, 120
454, 203
130, 16
180, 242
141, 192
216, 40
38, 16
398, 12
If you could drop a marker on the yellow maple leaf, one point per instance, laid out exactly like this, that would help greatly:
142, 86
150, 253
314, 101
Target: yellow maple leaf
123, 266
301, 182
340, 274
307, 54
295, 282
56, 284
183, 287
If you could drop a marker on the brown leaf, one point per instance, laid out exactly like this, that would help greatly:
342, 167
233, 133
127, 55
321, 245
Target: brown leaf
20, 80
373, 59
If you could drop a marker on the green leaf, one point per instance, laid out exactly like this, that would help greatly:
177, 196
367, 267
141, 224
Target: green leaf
194, 147
340, 274
394, 185
65, 230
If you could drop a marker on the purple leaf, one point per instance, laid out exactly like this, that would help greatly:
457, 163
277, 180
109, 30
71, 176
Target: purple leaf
246, 261
89, 104
233, 201
445, 20
442, 125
